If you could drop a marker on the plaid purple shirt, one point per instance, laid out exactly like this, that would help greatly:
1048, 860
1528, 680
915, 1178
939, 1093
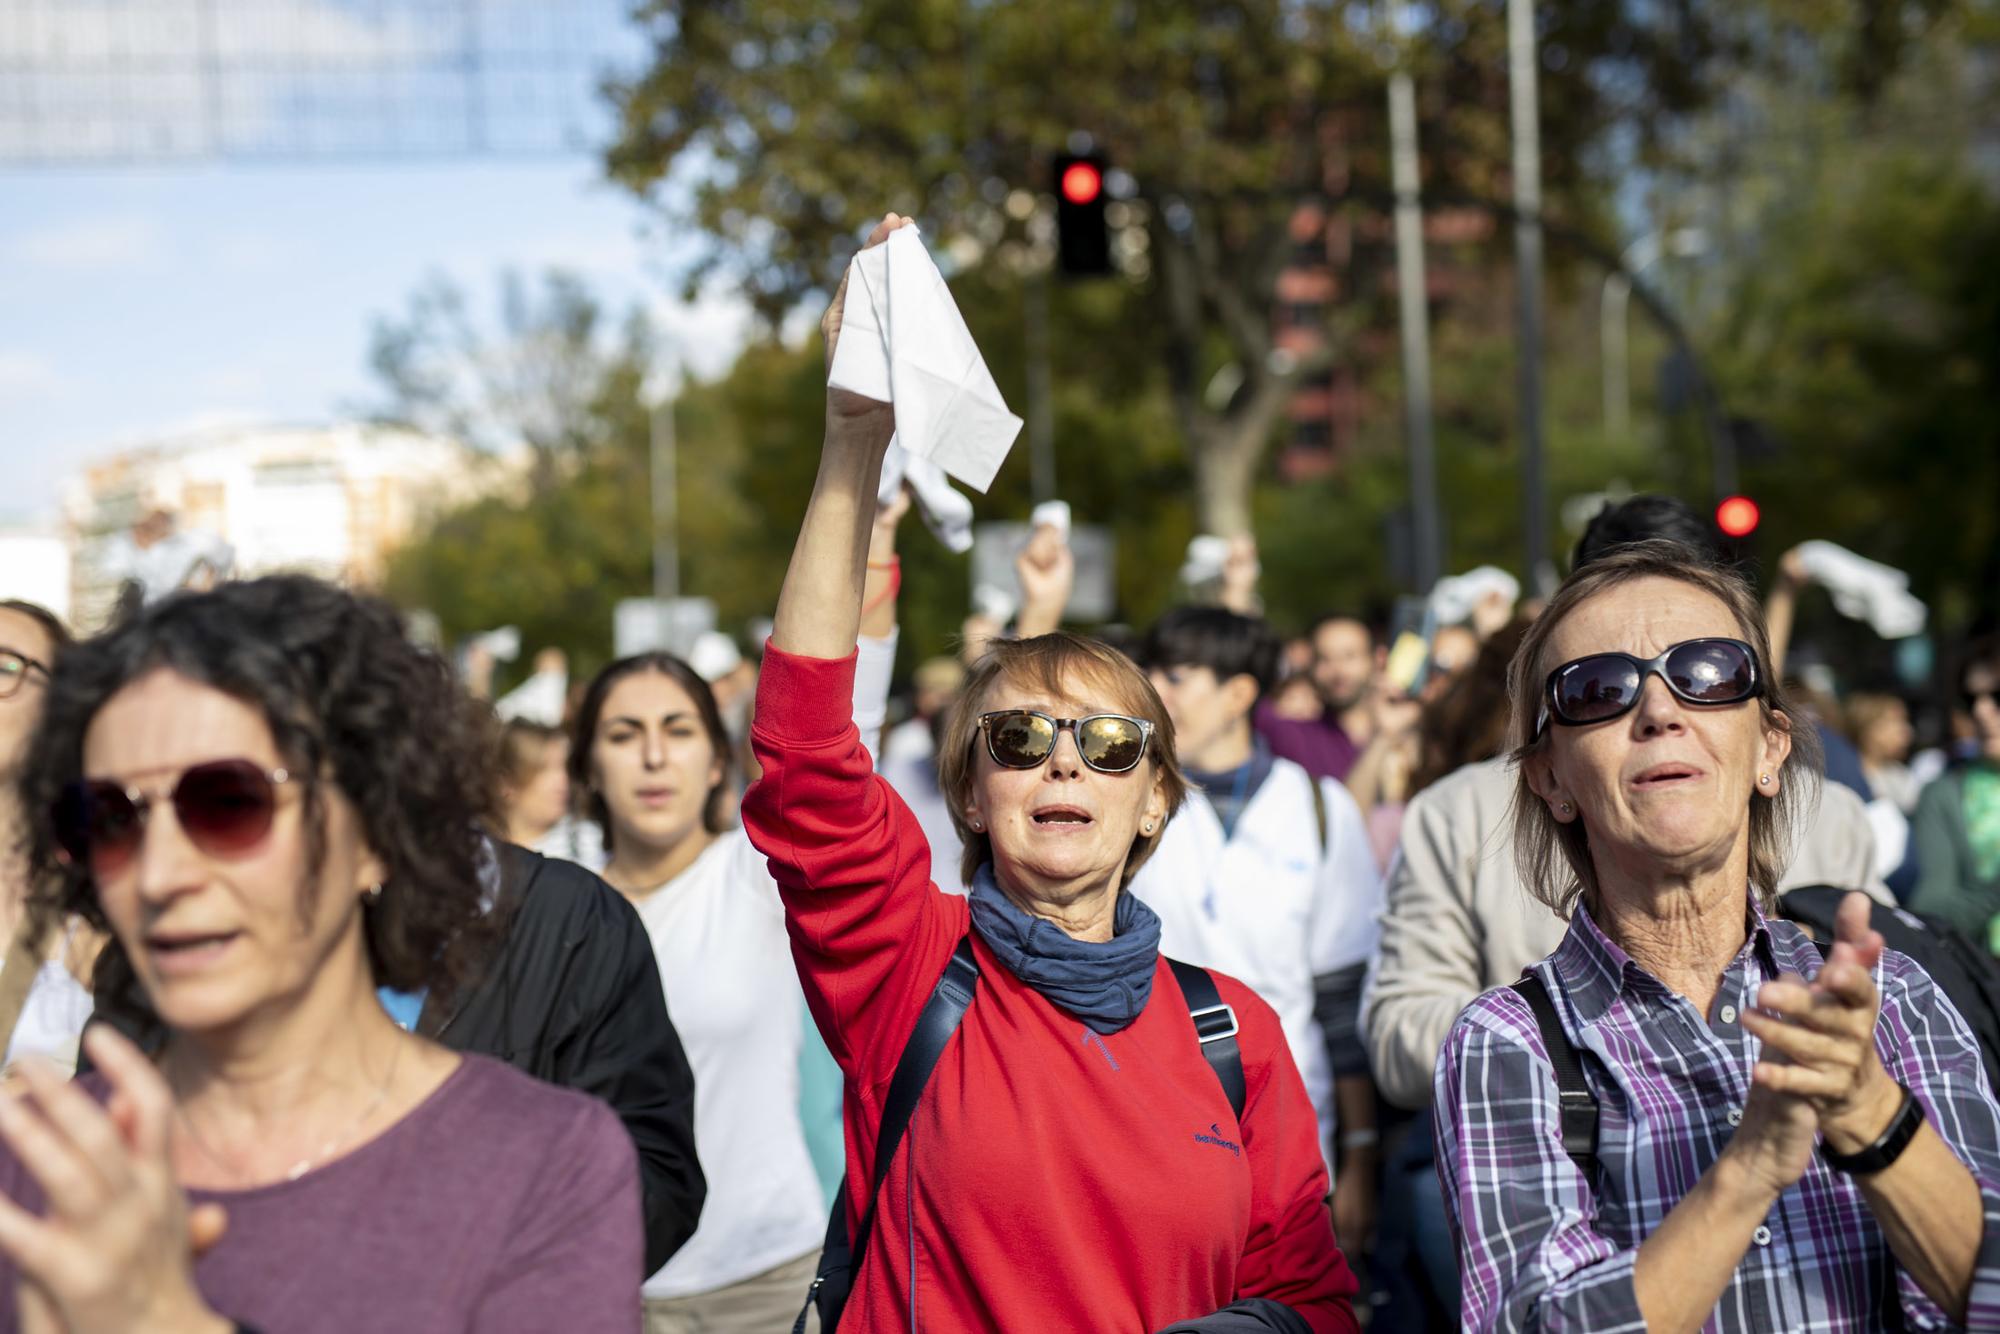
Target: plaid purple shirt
1541, 1248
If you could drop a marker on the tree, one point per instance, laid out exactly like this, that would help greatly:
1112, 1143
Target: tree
776, 130
557, 373
542, 379
1867, 332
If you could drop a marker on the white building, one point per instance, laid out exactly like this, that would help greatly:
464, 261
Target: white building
329, 500
34, 567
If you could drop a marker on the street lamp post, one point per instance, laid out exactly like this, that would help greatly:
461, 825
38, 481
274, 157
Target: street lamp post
1413, 302
1613, 303
663, 464
1524, 104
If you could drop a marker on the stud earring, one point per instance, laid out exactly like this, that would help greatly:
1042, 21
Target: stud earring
374, 893
1148, 830
1567, 808
1764, 780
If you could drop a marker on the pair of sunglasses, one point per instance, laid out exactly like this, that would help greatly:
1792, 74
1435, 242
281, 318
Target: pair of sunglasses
15, 669
225, 807
1969, 699
1604, 686
1110, 743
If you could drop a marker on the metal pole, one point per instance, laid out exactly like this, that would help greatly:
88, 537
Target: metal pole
664, 462
1524, 92
1413, 301
1612, 304
1041, 408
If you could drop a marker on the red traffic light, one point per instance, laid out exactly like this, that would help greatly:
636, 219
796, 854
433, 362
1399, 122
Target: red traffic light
1737, 516
1082, 182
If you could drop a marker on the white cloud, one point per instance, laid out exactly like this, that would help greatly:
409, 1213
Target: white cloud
90, 245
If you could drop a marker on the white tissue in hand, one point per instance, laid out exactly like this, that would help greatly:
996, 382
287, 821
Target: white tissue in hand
945, 512
902, 341
1866, 590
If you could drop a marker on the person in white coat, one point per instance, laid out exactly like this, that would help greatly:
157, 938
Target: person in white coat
1267, 875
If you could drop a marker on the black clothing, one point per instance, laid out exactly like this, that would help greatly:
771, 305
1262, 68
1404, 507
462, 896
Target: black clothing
572, 996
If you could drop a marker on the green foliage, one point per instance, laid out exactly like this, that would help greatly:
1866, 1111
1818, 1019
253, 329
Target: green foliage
1867, 336
777, 131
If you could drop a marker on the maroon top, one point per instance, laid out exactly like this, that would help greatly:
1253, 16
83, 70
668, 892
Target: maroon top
499, 1205
1317, 745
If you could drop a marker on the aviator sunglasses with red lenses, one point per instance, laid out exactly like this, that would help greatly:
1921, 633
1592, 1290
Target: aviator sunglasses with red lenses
1604, 686
225, 808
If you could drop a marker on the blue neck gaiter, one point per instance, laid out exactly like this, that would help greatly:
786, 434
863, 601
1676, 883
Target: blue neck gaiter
1105, 984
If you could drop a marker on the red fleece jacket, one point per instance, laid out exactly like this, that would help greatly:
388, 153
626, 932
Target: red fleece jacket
1051, 1179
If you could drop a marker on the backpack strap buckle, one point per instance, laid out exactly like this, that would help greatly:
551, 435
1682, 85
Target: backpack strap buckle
1214, 1023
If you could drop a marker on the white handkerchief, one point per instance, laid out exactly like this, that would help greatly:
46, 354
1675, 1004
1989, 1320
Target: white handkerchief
1866, 590
902, 341
946, 512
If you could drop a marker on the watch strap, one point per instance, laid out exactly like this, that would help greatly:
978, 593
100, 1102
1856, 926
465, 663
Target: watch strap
1888, 1146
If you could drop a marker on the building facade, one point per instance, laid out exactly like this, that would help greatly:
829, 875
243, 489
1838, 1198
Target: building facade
327, 500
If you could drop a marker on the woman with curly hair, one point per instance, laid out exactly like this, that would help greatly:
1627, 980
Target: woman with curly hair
271, 801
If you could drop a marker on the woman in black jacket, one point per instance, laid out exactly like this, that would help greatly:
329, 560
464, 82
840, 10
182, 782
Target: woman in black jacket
570, 994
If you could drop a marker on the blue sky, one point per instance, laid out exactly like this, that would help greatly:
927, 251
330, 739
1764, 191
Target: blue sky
140, 299
145, 299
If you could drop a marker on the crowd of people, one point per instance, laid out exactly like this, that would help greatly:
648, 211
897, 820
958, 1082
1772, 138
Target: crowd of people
1190, 980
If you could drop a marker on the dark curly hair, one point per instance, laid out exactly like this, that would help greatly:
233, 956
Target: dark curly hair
715, 810
348, 697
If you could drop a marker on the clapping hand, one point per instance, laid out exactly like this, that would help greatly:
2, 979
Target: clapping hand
1824, 1031
114, 1249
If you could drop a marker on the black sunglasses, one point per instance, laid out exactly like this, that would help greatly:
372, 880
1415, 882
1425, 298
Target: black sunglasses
1969, 699
225, 808
1603, 686
1110, 743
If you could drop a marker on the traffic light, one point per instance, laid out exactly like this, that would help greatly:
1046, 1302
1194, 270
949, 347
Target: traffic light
1737, 517
1083, 238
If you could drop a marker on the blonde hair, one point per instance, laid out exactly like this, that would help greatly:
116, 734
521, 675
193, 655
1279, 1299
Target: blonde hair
1052, 663
1553, 858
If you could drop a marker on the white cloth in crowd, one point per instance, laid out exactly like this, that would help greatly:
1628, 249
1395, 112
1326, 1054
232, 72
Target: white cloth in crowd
714, 656
1454, 598
1268, 905
53, 1017
1865, 590
903, 341
944, 509
1206, 555
539, 699
173, 562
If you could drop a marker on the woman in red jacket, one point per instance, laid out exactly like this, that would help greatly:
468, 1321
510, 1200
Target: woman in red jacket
1073, 1163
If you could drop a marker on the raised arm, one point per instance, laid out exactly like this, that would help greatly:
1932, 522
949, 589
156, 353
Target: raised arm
819, 608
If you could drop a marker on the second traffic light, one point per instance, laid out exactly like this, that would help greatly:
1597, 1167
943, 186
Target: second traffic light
1083, 237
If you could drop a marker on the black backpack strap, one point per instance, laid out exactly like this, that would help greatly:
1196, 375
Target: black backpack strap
938, 1021
1215, 1028
1579, 1104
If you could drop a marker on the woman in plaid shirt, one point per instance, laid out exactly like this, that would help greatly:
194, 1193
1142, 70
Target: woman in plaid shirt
1773, 1152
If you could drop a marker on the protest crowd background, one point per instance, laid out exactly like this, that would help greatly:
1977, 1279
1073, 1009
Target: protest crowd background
1309, 668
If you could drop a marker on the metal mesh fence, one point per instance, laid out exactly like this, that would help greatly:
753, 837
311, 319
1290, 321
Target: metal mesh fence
90, 81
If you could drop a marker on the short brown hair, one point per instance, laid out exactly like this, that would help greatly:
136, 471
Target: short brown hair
1541, 842
523, 746
1048, 663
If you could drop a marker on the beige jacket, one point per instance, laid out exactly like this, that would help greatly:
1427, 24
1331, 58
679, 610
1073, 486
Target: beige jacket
1458, 921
